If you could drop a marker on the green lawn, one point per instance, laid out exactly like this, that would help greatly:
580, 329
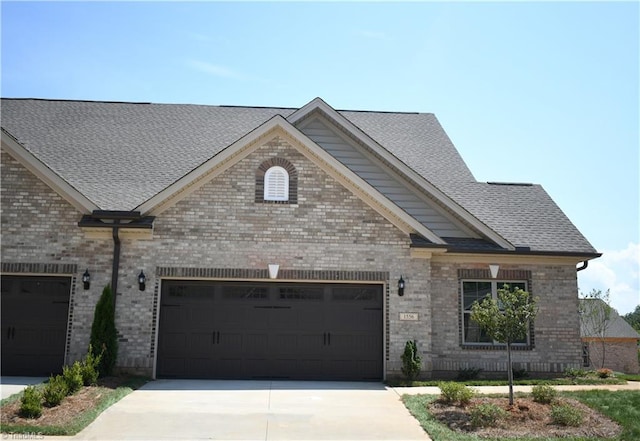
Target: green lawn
621, 406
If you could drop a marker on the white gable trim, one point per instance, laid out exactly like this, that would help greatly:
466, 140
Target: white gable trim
251, 141
318, 104
46, 175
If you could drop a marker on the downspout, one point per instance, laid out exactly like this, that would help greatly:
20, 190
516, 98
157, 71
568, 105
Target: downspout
585, 264
116, 262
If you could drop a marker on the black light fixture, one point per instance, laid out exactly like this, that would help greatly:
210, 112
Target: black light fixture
142, 280
401, 287
86, 279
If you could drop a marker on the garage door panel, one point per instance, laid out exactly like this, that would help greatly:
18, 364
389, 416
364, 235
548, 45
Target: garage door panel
276, 330
228, 369
201, 342
257, 344
175, 343
174, 367
34, 324
200, 367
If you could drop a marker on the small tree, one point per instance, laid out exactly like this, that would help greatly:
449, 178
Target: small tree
595, 319
506, 320
104, 337
411, 360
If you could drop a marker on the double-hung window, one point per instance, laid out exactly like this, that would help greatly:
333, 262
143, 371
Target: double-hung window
477, 290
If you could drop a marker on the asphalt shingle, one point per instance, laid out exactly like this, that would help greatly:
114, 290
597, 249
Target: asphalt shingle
121, 154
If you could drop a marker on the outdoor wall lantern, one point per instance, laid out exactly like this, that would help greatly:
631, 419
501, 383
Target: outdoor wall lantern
401, 287
494, 270
273, 270
142, 280
86, 279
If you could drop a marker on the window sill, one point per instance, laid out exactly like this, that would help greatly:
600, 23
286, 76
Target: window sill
496, 347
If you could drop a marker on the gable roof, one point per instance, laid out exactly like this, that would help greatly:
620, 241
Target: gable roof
616, 326
120, 156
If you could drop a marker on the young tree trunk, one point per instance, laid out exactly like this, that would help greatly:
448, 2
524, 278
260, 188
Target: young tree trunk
510, 374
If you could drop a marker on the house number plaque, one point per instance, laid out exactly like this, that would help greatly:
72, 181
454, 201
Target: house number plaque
409, 316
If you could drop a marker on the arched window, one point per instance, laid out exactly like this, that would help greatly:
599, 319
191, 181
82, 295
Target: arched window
276, 184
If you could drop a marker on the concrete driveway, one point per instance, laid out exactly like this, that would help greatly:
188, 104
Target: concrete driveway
13, 385
256, 410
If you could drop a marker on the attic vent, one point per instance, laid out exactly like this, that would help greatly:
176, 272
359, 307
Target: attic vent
276, 184
513, 184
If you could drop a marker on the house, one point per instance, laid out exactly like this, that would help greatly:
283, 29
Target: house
246, 242
608, 341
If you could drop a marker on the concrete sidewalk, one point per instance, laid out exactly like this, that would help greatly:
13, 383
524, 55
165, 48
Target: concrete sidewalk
433, 390
256, 410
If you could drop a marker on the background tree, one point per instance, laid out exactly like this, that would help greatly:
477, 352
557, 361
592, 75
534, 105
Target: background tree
633, 318
595, 315
506, 320
104, 337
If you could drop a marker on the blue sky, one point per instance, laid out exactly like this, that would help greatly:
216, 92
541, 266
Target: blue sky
541, 92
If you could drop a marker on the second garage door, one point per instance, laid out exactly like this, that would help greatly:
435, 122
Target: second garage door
275, 330
34, 324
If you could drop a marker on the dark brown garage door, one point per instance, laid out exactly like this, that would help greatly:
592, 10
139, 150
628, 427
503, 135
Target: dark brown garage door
34, 324
275, 330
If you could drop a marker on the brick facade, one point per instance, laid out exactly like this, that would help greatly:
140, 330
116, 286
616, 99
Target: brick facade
620, 355
221, 231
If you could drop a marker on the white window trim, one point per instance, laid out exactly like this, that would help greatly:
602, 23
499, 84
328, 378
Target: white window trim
495, 285
276, 194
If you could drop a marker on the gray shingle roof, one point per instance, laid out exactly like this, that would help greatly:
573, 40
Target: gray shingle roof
121, 154
615, 326
523, 214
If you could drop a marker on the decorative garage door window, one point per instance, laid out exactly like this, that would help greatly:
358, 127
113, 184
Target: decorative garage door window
472, 291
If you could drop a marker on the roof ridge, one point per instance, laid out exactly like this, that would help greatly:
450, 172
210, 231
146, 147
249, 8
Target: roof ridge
65, 100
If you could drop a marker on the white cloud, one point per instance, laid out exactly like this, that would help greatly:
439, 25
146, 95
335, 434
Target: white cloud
373, 35
618, 271
215, 69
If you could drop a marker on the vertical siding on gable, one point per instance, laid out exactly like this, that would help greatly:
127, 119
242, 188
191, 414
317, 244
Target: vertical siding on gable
381, 180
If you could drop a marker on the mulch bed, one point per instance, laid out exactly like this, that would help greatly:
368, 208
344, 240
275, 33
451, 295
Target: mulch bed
67, 411
525, 418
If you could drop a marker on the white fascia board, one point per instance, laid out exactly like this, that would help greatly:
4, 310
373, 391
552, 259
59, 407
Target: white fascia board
46, 175
419, 180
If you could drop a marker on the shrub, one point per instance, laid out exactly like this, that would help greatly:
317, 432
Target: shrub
519, 374
55, 390
566, 415
104, 337
487, 415
468, 374
544, 394
89, 367
72, 376
411, 361
31, 403
452, 392
604, 373
574, 373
